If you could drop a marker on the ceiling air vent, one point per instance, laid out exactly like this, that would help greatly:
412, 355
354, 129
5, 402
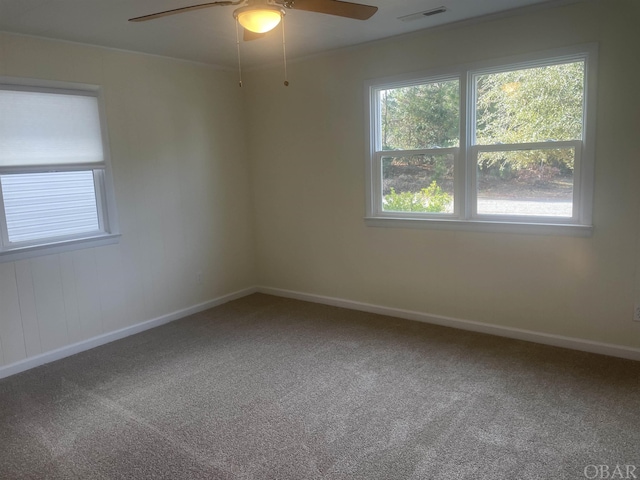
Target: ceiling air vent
426, 13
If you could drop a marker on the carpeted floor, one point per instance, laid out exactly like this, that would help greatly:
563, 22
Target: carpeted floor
270, 388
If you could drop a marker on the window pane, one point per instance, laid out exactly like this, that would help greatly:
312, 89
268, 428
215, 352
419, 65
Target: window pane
40, 128
531, 105
45, 205
418, 183
420, 116
526, 182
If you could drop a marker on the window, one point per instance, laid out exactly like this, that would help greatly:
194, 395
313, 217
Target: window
504, 146
55, 188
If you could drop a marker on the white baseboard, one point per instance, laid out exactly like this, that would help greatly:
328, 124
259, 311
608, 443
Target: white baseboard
510, 332
501, 331
72, 349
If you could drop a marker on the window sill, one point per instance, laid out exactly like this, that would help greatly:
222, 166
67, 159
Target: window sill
482, 226
21, 253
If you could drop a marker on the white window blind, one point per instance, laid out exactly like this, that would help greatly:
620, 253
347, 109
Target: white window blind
41, 128
56, 191
53, 204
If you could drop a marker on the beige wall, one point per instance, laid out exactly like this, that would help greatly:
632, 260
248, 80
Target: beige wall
307, 152
182, 191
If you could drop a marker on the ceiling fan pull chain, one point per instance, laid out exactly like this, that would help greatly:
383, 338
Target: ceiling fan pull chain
284, 54
238, 45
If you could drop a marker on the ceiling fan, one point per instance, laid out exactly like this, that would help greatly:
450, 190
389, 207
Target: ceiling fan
258, 17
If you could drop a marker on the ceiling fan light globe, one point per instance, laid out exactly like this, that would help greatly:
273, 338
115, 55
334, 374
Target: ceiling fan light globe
259, 20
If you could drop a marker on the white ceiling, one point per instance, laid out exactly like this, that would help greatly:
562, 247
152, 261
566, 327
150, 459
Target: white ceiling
209, 35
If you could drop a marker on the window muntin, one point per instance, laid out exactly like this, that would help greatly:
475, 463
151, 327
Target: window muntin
514, 165
55, 186
416, 147
534, 116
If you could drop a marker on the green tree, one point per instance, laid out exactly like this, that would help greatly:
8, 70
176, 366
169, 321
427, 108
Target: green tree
421, 116
531, 105
418, 117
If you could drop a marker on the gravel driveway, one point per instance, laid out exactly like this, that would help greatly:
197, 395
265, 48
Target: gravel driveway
525, 207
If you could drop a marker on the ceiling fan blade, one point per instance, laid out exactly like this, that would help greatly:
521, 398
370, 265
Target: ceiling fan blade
153, 16
334, 7
249, 35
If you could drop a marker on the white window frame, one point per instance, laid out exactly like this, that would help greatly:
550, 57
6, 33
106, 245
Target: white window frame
465, 214
108, 232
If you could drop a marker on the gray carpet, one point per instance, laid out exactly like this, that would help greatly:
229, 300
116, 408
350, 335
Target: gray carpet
270, 388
